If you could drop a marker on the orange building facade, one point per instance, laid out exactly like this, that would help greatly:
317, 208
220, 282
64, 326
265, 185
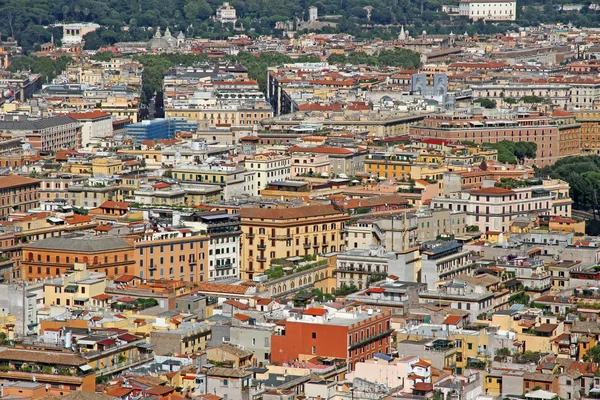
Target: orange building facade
354, 336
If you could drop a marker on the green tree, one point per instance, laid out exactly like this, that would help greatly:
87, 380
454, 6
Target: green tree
486, 103
103, 56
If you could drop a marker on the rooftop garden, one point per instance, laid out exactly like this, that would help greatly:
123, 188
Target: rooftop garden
281, 267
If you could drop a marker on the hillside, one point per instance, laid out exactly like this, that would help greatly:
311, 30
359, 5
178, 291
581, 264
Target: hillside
26, 19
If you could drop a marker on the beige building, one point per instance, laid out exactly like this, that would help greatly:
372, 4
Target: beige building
75, 289
232, 178
288, 232
268, 168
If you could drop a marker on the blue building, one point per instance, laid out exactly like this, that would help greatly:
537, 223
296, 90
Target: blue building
160, 128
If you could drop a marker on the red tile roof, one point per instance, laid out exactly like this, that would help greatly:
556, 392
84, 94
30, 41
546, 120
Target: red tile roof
452, 319
241, 317
319, 312
114, 205
95, 114
492, 191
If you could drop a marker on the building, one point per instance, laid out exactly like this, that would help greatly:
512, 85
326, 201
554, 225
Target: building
361, 267
288, 232
54, 256
489, 10
46, 134
442, 260
269, 168
73, 35
492, 209
226, 14
18, 194
342, 161
232, 178
224, 232
74, 289
96, 125
553, 140
352, 335
188, 338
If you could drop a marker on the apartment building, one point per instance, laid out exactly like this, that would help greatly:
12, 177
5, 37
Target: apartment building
177, 254
553, 140
54, 256
270, 233
223, 245
268, 167
56, 187
443, 260
18, 193
493, 208
187, 339
232, 178
342, 161
354, 335
46, 134
95, 125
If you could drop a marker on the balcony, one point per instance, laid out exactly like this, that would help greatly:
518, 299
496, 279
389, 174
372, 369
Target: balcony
142, 359
307, 245
280, 237
315, 245
261, 247
250, 235
226, 265
261, 258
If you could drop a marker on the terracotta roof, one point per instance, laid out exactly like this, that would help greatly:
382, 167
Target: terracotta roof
237, 304
288, 213
452, 320
221, 288
95, 114
160, 390
241, 317
422, 364
492, 191
102, 297
264, 302
103, 228
125, 278
11, 181
320, 150
114, 205
423, 387
43, 357
318, 312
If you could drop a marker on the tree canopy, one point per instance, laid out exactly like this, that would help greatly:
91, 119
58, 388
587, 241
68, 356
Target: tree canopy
30, 21
511, 152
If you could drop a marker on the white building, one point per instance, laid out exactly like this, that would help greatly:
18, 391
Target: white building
226, 13
96, 125
393, 372
313, 13
493, 208
73, 33
269, 168
489, 10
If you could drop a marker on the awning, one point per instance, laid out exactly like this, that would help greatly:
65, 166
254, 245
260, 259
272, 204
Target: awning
85, 368
145, 345
71, 288
82, 299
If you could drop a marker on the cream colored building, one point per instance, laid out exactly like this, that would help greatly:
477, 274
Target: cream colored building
489, 10
268, 168
74, 289
268, 234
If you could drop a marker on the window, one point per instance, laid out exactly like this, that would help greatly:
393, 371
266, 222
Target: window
314, 350
314, 335
470, 346
225, 382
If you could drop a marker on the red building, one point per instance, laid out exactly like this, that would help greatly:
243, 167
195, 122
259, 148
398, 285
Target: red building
354, 335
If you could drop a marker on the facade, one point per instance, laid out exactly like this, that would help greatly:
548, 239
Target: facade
174, 255
442, 260
489, 10
96, 125
54, 256
268, 168
493, 208
46, 134
223, 230
226, 14
553, 140
311, 165
18, 193
188, 339
288, 232
353, 335
232, 178
342, 161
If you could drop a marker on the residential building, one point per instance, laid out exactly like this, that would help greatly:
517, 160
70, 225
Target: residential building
46, 134
442, 260
188, 338
342, 161
74, 289
232, 178
493, 208
352, 335
95, 125
270, 233
268, 168
54, 256
226, 14
18, 194
223, 245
